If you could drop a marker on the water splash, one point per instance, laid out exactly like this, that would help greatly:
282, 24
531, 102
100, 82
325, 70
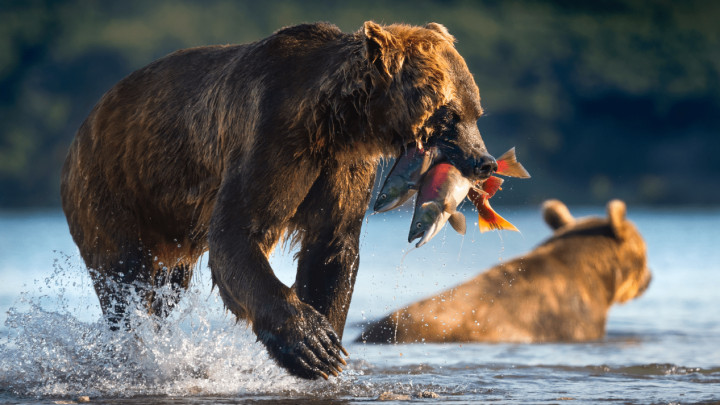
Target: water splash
49, 350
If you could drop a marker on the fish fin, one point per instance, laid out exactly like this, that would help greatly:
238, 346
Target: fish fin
457, 221
449, 206
489, 220
492, 185
476, 196
509, 166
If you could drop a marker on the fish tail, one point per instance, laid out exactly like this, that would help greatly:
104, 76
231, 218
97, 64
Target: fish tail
489, 220
509, 166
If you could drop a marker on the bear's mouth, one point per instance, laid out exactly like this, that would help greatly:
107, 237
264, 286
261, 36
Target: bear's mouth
474, 163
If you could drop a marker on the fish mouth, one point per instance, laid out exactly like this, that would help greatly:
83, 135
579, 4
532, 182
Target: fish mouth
383, 205
412, 236
426, 235
386, 205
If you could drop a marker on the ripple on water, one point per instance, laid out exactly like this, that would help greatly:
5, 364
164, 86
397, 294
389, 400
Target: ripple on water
55, 345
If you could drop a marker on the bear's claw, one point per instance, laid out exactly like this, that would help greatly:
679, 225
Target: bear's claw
306, 344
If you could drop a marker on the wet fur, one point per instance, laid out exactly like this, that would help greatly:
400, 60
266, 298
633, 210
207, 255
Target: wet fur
228, 148
561, 291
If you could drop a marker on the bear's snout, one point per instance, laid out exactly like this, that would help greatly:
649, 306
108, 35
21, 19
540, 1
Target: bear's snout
647, 279
472, 160
478, 167
485, 166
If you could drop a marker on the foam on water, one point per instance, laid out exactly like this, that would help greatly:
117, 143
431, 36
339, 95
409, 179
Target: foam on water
49, 350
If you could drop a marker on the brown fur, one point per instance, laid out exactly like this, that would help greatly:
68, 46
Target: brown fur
561, 291
228, 148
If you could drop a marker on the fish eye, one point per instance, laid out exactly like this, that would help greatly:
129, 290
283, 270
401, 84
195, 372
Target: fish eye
383, 196
418, 225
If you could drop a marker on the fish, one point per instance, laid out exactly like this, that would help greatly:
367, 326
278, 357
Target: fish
488, 219
480, 195
508, 165
442, 189
404, 178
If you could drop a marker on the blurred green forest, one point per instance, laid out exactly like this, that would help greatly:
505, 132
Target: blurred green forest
602, 99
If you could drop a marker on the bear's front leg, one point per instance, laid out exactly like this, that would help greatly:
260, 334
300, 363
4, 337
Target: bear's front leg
301, 340
331, 217
245, 226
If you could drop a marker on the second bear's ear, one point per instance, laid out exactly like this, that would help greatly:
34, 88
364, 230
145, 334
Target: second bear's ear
381, 46
616, 211
556, 214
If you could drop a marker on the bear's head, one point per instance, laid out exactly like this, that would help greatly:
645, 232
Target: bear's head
427, 93
610, 245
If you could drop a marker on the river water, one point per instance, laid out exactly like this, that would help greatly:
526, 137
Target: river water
661, 348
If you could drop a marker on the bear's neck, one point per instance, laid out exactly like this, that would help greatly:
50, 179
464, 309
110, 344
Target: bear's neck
593, 260
352, 111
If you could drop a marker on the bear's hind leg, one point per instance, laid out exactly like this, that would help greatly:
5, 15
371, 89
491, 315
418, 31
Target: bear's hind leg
178, 280
171, 268
122, 285
132, 283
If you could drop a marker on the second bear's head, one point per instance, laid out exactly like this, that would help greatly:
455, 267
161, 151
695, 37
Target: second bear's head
612, 246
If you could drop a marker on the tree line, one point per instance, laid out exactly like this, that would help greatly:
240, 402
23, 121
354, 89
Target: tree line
602, 99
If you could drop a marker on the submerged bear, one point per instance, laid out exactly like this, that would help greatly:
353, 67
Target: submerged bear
228, 149
559, 292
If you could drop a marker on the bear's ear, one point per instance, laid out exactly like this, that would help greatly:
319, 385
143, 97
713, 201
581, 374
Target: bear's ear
616, 211
439, 28
556, 214
381, 46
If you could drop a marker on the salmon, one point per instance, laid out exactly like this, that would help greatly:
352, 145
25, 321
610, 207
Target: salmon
442, 189
404, 178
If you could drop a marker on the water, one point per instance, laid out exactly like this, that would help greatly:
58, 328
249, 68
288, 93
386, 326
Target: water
660, 348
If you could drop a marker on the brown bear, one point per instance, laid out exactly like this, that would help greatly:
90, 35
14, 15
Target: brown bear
559, 292
229, 149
